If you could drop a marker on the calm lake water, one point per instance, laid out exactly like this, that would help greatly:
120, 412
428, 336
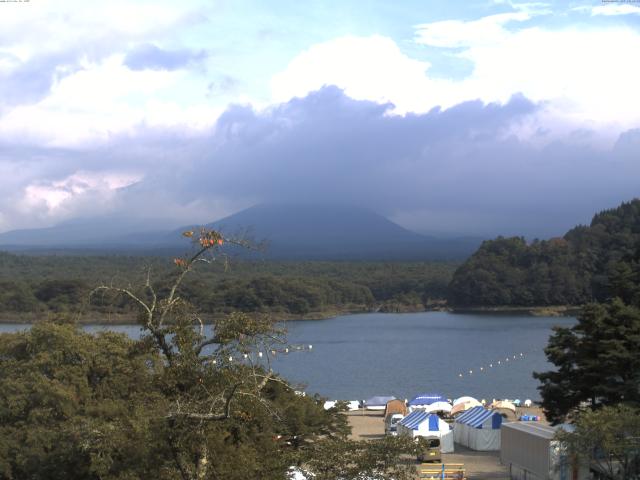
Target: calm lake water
358, 356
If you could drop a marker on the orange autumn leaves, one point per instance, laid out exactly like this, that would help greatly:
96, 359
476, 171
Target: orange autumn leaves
207, 240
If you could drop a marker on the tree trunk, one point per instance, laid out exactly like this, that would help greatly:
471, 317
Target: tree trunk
203, 463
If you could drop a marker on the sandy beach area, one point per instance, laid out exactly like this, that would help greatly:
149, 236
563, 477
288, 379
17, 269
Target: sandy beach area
368, 425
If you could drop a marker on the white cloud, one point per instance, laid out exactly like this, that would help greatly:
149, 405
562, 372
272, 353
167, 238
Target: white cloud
60, 198
103, 99
584, 76
366, 68
457, 33
611, 9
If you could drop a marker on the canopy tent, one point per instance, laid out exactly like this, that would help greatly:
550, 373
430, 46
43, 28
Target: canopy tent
395, 406
478, 429
378, 402
464, 406
422, 424
329, 404
465, 400
425, 399
438, 407
505, 404
506, 409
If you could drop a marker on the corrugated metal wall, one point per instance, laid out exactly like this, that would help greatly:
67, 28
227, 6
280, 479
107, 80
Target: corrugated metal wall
527, 454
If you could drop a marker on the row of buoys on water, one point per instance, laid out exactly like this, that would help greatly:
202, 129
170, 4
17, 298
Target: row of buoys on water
245, 356
492, 365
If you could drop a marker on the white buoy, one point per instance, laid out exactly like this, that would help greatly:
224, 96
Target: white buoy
491, 365
310, 347
460, 375
481, 368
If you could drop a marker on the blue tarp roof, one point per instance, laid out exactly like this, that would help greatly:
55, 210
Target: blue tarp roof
379, 400
415, 418
426, 399
476, 416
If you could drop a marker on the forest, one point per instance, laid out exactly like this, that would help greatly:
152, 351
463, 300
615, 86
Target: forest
597, 262
589, 263
33, 286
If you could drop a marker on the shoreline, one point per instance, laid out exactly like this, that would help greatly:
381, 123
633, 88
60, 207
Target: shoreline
534, 311
131, 318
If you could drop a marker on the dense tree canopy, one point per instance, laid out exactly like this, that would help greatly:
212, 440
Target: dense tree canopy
598, 262
188, 400
597, 360
31, 287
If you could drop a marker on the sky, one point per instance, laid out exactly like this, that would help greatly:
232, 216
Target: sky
475, 117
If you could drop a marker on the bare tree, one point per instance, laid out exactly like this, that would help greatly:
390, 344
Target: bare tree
209, 365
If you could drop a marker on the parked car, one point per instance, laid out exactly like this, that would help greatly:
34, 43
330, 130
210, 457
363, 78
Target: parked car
429, 449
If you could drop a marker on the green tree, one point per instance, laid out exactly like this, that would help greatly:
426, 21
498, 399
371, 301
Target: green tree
597, 360
74, 405
190, 399
608, 438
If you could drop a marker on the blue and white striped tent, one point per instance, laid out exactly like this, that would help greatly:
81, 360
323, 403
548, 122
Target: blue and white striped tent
425, 399
422, 424
478, 429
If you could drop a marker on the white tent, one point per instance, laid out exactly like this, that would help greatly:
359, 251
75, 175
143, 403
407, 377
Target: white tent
478, 429
465, 400
422, 424
329, 404
438, 407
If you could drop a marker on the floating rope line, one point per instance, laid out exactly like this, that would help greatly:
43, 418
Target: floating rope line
483, 368
265, 354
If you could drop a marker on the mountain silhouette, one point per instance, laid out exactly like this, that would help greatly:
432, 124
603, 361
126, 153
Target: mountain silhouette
296, 232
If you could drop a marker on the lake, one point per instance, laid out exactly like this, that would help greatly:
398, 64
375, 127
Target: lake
358, 356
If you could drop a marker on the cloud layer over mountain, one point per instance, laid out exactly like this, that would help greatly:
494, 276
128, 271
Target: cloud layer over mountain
501, 117
463, 169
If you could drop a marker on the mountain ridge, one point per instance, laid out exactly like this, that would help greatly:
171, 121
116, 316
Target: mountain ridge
300, 232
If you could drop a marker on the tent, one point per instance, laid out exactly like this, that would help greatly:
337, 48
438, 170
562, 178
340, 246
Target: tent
504, 404
425, 399
478, 429
464, 406
422, 424
378, 402
329, 404
506, 409
438, 407
465, 400
395, 406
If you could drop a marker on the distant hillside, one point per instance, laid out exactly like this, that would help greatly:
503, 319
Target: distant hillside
83, 233
291, 232
317, 232
598, 262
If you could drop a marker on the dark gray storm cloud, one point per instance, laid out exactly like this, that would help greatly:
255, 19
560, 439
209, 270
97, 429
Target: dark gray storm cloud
457, 170
151, 57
